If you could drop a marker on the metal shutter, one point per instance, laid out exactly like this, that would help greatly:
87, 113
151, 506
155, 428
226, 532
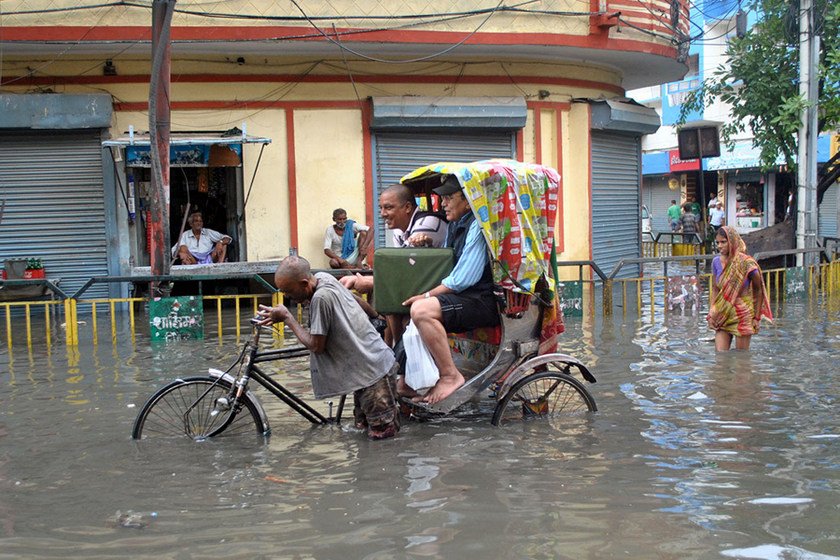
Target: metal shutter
828, 212
616, 167
397, 153
662, 197
55, 209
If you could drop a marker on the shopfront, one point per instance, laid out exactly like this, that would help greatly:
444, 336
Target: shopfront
205, 176
748, 191
751, 198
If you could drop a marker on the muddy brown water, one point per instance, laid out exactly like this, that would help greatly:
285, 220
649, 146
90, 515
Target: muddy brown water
692, 455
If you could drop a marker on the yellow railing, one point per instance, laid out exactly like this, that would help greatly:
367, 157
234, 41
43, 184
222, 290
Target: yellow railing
97, 313
822, 280
21, 319
26, 306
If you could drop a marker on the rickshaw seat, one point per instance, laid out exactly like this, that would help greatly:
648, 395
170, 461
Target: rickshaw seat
489, 335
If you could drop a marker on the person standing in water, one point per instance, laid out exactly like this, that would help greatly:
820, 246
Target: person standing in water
738, 299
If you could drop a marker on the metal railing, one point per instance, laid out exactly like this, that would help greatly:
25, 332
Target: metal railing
643, 293
674, 244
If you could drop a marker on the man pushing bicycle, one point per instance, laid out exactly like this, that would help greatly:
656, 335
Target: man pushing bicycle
347, 355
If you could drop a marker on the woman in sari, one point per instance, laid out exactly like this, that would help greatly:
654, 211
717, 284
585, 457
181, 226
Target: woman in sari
738, 299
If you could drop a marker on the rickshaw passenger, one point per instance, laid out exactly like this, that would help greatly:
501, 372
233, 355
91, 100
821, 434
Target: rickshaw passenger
412, 228
347, 355
463, 301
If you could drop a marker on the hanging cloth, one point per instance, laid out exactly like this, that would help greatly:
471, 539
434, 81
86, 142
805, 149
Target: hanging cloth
348, 241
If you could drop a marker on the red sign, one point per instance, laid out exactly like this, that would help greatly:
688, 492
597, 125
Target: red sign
677, 164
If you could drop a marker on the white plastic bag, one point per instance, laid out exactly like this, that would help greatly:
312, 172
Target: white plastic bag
420, 369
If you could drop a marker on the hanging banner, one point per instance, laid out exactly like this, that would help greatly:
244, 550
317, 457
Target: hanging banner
176, 318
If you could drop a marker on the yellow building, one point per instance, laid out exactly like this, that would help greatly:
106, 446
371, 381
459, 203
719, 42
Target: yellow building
351, 94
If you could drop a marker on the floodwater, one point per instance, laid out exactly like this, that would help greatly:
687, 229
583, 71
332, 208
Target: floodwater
691, 455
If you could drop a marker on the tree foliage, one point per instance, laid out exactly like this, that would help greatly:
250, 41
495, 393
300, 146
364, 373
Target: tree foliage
760, 79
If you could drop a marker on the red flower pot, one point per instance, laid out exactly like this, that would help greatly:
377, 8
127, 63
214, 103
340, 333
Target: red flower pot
34, 274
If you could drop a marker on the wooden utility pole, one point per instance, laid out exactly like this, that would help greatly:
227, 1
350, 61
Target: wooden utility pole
159, 125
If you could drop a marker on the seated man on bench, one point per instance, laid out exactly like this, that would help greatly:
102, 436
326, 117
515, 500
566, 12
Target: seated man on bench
463, 301
200, 245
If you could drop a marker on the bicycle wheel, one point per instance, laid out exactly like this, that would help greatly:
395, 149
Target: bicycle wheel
192, 407
546, 393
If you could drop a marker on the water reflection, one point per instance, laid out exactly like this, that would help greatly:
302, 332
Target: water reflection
692, 455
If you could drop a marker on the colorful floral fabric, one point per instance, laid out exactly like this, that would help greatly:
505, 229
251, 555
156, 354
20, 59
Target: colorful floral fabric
516, 205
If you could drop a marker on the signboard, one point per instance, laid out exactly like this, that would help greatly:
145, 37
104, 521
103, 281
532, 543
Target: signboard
698, 142
677, 164
176, 318
180, 155
795, 281
571, 300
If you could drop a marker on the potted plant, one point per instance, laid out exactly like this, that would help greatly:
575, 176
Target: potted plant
34, 269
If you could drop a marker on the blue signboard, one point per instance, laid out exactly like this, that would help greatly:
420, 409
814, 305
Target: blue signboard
186, 155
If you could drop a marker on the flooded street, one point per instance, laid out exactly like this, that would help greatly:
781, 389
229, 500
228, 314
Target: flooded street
691, 455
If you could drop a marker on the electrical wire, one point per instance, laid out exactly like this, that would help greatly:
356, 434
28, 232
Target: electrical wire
417, 19
32, 71
347, 67
446, 16
402, 61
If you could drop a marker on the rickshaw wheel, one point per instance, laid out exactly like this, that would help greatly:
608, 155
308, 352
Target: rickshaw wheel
543, 394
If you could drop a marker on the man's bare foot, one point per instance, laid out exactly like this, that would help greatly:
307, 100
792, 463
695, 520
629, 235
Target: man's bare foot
443, 388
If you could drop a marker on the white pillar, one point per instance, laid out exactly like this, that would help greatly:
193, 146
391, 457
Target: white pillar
802, 160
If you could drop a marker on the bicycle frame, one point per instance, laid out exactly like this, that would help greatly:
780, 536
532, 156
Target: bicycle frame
248, 360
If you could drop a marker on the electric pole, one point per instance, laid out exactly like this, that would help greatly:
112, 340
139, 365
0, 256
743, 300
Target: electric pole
806, 171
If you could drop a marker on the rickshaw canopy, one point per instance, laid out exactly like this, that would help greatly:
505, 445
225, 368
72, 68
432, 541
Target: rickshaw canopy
515, 204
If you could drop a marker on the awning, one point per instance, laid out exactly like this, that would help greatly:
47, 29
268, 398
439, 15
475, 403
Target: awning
623, 116
232, 136
200, 149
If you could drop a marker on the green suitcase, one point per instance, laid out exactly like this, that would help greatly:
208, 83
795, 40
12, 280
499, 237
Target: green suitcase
402, 272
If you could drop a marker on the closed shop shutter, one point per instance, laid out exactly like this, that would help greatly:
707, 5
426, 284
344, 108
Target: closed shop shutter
52, 186
828, 212
397, 153
661, 200
616, 167
657, 197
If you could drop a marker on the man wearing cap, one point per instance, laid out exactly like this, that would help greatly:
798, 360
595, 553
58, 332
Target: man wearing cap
464, 300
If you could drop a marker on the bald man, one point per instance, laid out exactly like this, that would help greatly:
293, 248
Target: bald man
347, 355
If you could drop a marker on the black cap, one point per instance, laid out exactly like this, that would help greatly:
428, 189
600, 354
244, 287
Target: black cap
448, 185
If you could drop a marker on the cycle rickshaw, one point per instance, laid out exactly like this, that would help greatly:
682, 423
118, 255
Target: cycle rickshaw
515, 366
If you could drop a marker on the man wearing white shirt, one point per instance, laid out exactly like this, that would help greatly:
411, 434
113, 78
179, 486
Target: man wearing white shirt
717, 216
200, 245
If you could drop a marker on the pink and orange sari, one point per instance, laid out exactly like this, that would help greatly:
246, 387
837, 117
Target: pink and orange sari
733, 309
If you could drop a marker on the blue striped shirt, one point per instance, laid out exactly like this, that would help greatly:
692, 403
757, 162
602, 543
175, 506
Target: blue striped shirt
471, 265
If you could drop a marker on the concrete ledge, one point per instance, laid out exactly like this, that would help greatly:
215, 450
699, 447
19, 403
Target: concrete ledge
233, 269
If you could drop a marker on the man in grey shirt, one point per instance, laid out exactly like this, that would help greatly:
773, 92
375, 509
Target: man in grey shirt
347, 355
